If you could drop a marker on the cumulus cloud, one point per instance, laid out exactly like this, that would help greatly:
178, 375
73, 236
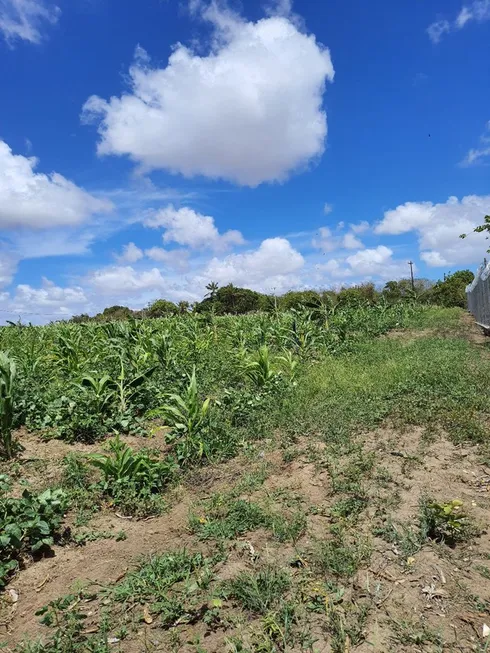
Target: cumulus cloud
48, 300
8, 265
25, 19
350, 241
438, 227
478, 11
248, 112
366, 264
327, 208
176, 259
187, 227
271, 267
120, 279
327, 241
477, 154
39, 201
130, 254
360, 227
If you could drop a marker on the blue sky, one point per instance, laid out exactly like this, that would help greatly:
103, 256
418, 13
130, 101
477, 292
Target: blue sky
149, 148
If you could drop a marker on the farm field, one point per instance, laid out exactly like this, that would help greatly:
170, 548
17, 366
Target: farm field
316, 480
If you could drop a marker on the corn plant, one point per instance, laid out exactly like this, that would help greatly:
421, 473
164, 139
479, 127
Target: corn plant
186, 415
7, 380
126, 388
102, 390
289, 363
260, 371
123, 465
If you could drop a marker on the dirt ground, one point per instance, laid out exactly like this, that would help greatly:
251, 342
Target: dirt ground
438, 588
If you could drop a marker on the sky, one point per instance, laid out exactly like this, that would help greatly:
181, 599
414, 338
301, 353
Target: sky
148, 148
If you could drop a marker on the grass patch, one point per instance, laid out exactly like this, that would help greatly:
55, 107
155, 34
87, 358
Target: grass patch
260, 591
341, 556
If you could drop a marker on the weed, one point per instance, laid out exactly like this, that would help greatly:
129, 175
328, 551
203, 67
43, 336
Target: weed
410, 633
445, 522
289, 527
224, 518
259, 591
339, 557
408, 540
169, 584
483, 571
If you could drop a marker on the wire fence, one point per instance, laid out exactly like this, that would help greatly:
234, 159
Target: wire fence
478, 296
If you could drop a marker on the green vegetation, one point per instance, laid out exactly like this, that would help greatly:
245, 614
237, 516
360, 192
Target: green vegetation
27, 524
328, 411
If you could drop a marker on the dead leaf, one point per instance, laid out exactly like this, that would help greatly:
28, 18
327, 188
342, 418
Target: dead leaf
39, 587
148, 619
13, 595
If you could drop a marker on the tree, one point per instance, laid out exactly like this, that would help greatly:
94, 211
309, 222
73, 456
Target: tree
481, 228
364, 293
452, 291
183, 307
114, 313
297, 298
160, 308
212, 286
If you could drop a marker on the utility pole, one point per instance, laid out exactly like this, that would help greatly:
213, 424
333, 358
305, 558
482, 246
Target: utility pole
410, 263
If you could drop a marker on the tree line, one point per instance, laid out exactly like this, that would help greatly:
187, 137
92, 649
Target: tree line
233, 300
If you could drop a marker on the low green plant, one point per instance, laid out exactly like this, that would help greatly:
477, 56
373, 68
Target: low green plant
340, 556
7, 382
132, 478
70, 629
259, 591
170, 585
225, 518
27, 524
444, 522
123, 464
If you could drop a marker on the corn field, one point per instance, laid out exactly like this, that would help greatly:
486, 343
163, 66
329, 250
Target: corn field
201, 376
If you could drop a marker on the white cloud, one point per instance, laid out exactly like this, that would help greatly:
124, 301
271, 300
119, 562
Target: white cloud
327, 208
39, 201
125, 280
49, 299
366, 265
177, 259
439, 226
351, 242
271, 267
360, 227
478, 11
248, 112
25, 19
477, 154
8, 265
438, 29
326, 241
187, 227
130, 254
